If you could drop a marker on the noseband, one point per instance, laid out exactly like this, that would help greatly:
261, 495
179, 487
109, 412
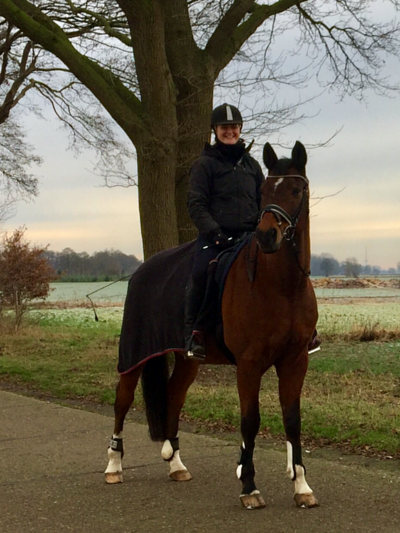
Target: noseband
280, 213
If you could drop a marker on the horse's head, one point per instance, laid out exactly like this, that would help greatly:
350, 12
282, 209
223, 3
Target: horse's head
284, 197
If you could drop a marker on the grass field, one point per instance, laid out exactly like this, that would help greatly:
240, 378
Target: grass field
351, 396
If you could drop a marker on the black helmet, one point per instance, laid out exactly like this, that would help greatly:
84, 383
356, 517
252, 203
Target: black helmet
226, 114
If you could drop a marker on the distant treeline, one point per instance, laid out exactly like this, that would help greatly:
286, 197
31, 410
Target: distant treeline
326, 265
100, 266
112, 264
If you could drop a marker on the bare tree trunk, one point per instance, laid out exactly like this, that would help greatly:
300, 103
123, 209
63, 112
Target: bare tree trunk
157, 200
194, 130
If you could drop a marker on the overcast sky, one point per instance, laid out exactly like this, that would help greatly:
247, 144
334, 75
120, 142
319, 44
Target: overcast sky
74, 209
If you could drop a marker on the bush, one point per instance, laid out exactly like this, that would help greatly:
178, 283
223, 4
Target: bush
25, 274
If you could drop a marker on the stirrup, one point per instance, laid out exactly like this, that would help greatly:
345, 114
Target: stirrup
315, 344
195, 347
195, 355
313, 350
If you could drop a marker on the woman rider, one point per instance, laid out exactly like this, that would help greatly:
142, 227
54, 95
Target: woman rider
223, 202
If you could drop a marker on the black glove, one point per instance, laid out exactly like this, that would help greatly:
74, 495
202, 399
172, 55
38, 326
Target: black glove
220, 239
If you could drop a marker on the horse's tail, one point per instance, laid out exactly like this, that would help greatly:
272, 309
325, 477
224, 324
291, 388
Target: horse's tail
154, 386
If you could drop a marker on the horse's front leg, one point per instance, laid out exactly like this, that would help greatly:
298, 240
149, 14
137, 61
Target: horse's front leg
291, 376
182, 377
125, 393
248, 381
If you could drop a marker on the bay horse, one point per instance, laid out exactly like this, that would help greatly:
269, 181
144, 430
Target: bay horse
269, 313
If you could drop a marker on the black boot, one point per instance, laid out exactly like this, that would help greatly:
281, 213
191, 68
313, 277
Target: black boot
194, 339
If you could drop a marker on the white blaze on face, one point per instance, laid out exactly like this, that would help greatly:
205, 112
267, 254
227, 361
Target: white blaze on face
278, 182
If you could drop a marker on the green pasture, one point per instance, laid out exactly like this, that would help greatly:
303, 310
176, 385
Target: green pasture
115, 292
351, 396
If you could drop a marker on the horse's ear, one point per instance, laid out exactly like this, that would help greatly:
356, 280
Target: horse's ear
299, 155
269, 156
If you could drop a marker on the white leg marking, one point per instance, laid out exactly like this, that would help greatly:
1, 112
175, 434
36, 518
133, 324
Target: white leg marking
300, 484
289, 468
239, 468
167, 450
176, 464
114, 458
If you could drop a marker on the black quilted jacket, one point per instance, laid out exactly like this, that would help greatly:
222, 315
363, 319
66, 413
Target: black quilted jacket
224, 190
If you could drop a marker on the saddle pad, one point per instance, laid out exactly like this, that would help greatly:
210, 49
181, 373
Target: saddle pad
225, 260
153, 320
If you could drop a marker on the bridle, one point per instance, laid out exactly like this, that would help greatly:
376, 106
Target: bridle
292, 220
280, 213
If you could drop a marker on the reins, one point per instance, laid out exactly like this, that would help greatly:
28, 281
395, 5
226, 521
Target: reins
88, 296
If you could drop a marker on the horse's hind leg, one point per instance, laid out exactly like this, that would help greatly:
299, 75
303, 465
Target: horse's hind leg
181, 378
248, 381
125, 394
291, 377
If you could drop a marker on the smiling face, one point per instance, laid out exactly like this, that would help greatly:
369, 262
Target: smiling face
228, 133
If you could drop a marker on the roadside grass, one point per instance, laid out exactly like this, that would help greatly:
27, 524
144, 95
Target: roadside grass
351, 396
358, 408
65, 353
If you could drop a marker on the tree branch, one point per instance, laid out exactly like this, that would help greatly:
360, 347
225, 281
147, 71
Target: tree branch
121, 103
231, 33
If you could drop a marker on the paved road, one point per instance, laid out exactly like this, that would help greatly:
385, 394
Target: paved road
52, 460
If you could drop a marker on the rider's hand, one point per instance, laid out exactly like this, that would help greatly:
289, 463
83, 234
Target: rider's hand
220, 239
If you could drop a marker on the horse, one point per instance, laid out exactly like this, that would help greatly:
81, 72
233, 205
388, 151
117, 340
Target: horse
269, 313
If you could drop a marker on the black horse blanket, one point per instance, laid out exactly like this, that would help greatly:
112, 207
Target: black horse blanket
153, 321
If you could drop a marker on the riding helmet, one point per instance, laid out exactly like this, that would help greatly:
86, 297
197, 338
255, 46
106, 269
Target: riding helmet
226, 114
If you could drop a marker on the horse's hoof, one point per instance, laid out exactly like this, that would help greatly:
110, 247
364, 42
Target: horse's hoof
181, 475
254, 500
114, 477
306, 500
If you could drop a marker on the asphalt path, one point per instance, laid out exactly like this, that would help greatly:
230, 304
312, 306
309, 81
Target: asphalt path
52, 460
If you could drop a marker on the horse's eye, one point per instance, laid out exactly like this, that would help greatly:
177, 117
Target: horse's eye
296, 192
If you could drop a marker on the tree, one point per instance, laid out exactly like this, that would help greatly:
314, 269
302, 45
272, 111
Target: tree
31, 76
18, 59
25, 274
329, 265
153, 66
352, 267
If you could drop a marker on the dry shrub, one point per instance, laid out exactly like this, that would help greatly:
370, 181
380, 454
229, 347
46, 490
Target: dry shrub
372, 332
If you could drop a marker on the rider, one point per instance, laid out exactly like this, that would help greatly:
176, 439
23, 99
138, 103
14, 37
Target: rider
223, 202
